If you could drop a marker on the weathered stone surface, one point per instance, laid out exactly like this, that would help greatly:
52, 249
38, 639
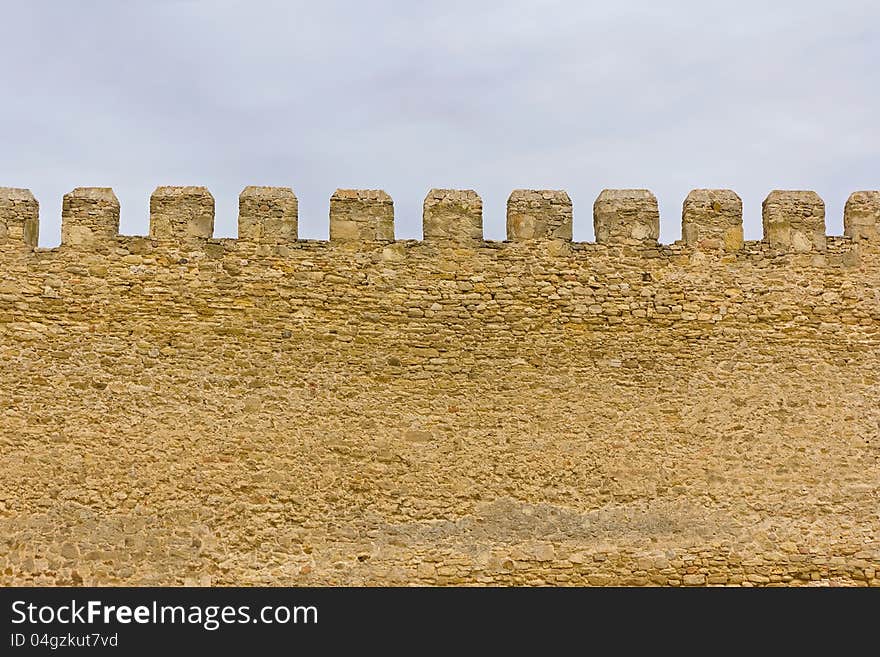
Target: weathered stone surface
626, 215
89, 217
794, 221
453, 216
711, 220
221, 411
181, 213
361, 215
19, 216
267, 214
535, 214
861, 216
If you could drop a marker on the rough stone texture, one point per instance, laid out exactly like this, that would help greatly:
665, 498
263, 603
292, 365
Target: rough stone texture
89, 217
361, 215
19, 216
711, 219
534, 214
794, 221
267, 214
453, 216
861, 216
181, 212
227, 412
626, 215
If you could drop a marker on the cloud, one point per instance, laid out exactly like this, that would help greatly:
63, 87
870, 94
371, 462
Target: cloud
407, 96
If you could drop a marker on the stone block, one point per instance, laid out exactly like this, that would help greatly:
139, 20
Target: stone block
19, 216
861, 216
89, 216
453, 216
181, 213
794, 221
711, 220
626, 215
267, 214
538, 214
362, 215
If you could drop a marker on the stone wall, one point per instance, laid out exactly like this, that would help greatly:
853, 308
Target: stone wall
178, 409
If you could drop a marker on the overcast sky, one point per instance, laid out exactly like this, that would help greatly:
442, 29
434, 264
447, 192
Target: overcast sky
406, 96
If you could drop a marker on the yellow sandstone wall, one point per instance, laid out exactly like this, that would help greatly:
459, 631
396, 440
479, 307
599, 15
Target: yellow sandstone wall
178, 409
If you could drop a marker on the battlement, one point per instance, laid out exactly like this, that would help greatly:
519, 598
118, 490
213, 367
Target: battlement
267, 214
19, 216
361, 215
711, 219
89, 217
180, 408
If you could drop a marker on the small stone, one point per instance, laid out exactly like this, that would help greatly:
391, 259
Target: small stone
544, 552
69, 551
416, 436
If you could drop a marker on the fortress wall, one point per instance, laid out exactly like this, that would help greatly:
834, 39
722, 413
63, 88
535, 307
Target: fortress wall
183, 409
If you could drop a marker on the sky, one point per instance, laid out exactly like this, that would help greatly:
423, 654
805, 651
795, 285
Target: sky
405, 96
